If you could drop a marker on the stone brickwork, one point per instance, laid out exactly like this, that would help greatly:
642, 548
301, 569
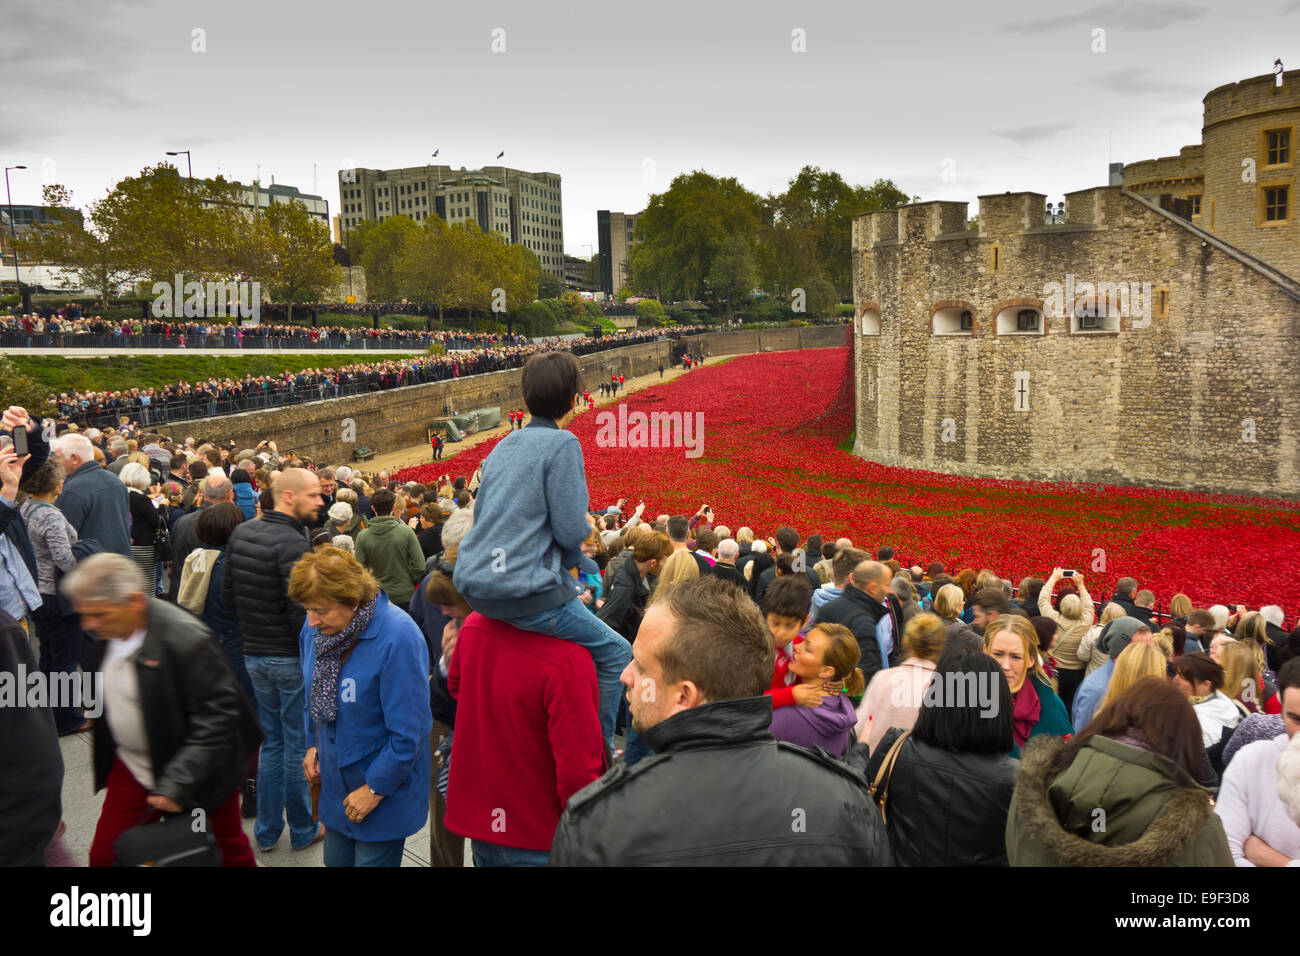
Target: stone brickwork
398, 418
1169, 397
1228, 173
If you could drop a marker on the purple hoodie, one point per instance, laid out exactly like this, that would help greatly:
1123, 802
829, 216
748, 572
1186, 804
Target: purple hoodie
826, 726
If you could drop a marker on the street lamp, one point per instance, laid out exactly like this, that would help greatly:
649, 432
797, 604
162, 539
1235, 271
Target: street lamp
189, 167
13, 232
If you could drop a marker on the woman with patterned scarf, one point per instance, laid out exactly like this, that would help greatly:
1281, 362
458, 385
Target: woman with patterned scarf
366, 670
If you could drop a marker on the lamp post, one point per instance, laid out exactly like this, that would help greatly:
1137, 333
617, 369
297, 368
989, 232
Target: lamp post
189, 166
13, 232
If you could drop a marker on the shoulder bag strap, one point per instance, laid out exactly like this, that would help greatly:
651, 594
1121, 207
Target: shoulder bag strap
880, 786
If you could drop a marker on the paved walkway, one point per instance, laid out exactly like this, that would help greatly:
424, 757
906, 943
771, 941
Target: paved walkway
422, 455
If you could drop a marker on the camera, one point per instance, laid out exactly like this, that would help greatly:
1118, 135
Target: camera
1067, 574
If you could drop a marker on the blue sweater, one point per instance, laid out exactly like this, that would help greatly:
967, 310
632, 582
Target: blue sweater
530, 519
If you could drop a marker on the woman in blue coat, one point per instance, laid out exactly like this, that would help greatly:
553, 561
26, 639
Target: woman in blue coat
365, 665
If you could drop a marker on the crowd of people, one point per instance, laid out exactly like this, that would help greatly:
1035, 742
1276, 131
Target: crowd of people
349, 658
185, 401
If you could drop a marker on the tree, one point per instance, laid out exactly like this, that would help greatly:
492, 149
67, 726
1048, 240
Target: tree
98, 255
300, 261
733, 275
382, 245
23, 390
650, 313
423, 266
683, 229
548, 286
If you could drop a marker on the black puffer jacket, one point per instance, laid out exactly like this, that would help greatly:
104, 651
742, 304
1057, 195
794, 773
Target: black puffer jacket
201, 730
720, 791
861, 614
944, 808
259, 558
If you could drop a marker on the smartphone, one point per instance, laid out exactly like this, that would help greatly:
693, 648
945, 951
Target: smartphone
1067, 574
20, 442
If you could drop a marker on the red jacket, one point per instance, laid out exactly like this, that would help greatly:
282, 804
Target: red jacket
527, 733
782, 694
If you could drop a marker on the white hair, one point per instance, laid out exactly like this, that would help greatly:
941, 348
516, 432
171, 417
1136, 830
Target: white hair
842, 543
134, 475
728, 549
75, 446
456, 527
759, 547
343, 474
1220, 616
1272, 614
345, 542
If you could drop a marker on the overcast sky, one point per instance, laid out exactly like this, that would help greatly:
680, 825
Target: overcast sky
948, 99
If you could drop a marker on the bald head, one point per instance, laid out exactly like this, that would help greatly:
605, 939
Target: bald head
218, 488
871, 577
297, 493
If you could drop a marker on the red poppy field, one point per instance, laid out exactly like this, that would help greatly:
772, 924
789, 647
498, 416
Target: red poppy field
770, 457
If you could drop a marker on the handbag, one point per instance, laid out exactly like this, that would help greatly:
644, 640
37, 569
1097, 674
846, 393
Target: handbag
172, 841
880, 786
162, 540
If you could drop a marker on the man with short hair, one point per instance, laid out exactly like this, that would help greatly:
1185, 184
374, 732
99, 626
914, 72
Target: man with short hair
1200, 630
117, 454
734, 795
1260, 830
1143, 605
986, 606
787, 542
176, 734
1125, 589
842, 565
867, 610
259, 559
93, 501
179, 471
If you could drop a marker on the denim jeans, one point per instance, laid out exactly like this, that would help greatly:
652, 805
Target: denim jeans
609, 650
342, 850
637, 749
490, 854
281, 788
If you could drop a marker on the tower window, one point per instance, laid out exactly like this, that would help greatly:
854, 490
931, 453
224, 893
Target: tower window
1277, 147
1276, 205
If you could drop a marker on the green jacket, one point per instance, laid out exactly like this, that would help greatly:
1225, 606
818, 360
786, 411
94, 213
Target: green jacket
1115, 805
391, 552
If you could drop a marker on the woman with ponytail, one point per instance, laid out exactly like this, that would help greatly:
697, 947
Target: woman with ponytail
894, 697
828, 652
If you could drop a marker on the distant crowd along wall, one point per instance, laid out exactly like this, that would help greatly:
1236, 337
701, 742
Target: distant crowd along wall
386, 421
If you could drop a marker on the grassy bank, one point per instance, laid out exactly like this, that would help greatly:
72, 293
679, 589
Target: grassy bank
56, 374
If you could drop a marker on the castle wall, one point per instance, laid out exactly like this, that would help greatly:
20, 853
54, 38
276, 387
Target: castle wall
1171, 402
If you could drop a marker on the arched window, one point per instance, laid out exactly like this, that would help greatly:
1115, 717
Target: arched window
953, 320
869, 321
1021, 320
1096, 313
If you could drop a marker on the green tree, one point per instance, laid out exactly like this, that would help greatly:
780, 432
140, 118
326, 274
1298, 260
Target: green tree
734, 275
21, 389
548, 286
300, 256
382, 245
650, 313
96, 254
683, 229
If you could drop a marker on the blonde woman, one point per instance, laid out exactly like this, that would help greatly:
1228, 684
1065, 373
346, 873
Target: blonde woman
1088, 652
893, 698
1242, 680
1013, 643
1134, 663
1252, 630
680, 566
1180, 605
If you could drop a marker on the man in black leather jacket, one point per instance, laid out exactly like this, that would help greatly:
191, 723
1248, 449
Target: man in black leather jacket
175, 734
719, 790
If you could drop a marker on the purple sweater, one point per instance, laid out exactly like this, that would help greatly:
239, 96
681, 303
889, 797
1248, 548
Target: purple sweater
828, 726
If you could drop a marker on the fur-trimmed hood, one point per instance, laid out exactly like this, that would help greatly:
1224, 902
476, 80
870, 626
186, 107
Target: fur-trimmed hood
1139, 789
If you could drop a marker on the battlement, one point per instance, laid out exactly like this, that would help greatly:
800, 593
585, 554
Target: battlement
1188, 164
1005, 213
1252, 95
